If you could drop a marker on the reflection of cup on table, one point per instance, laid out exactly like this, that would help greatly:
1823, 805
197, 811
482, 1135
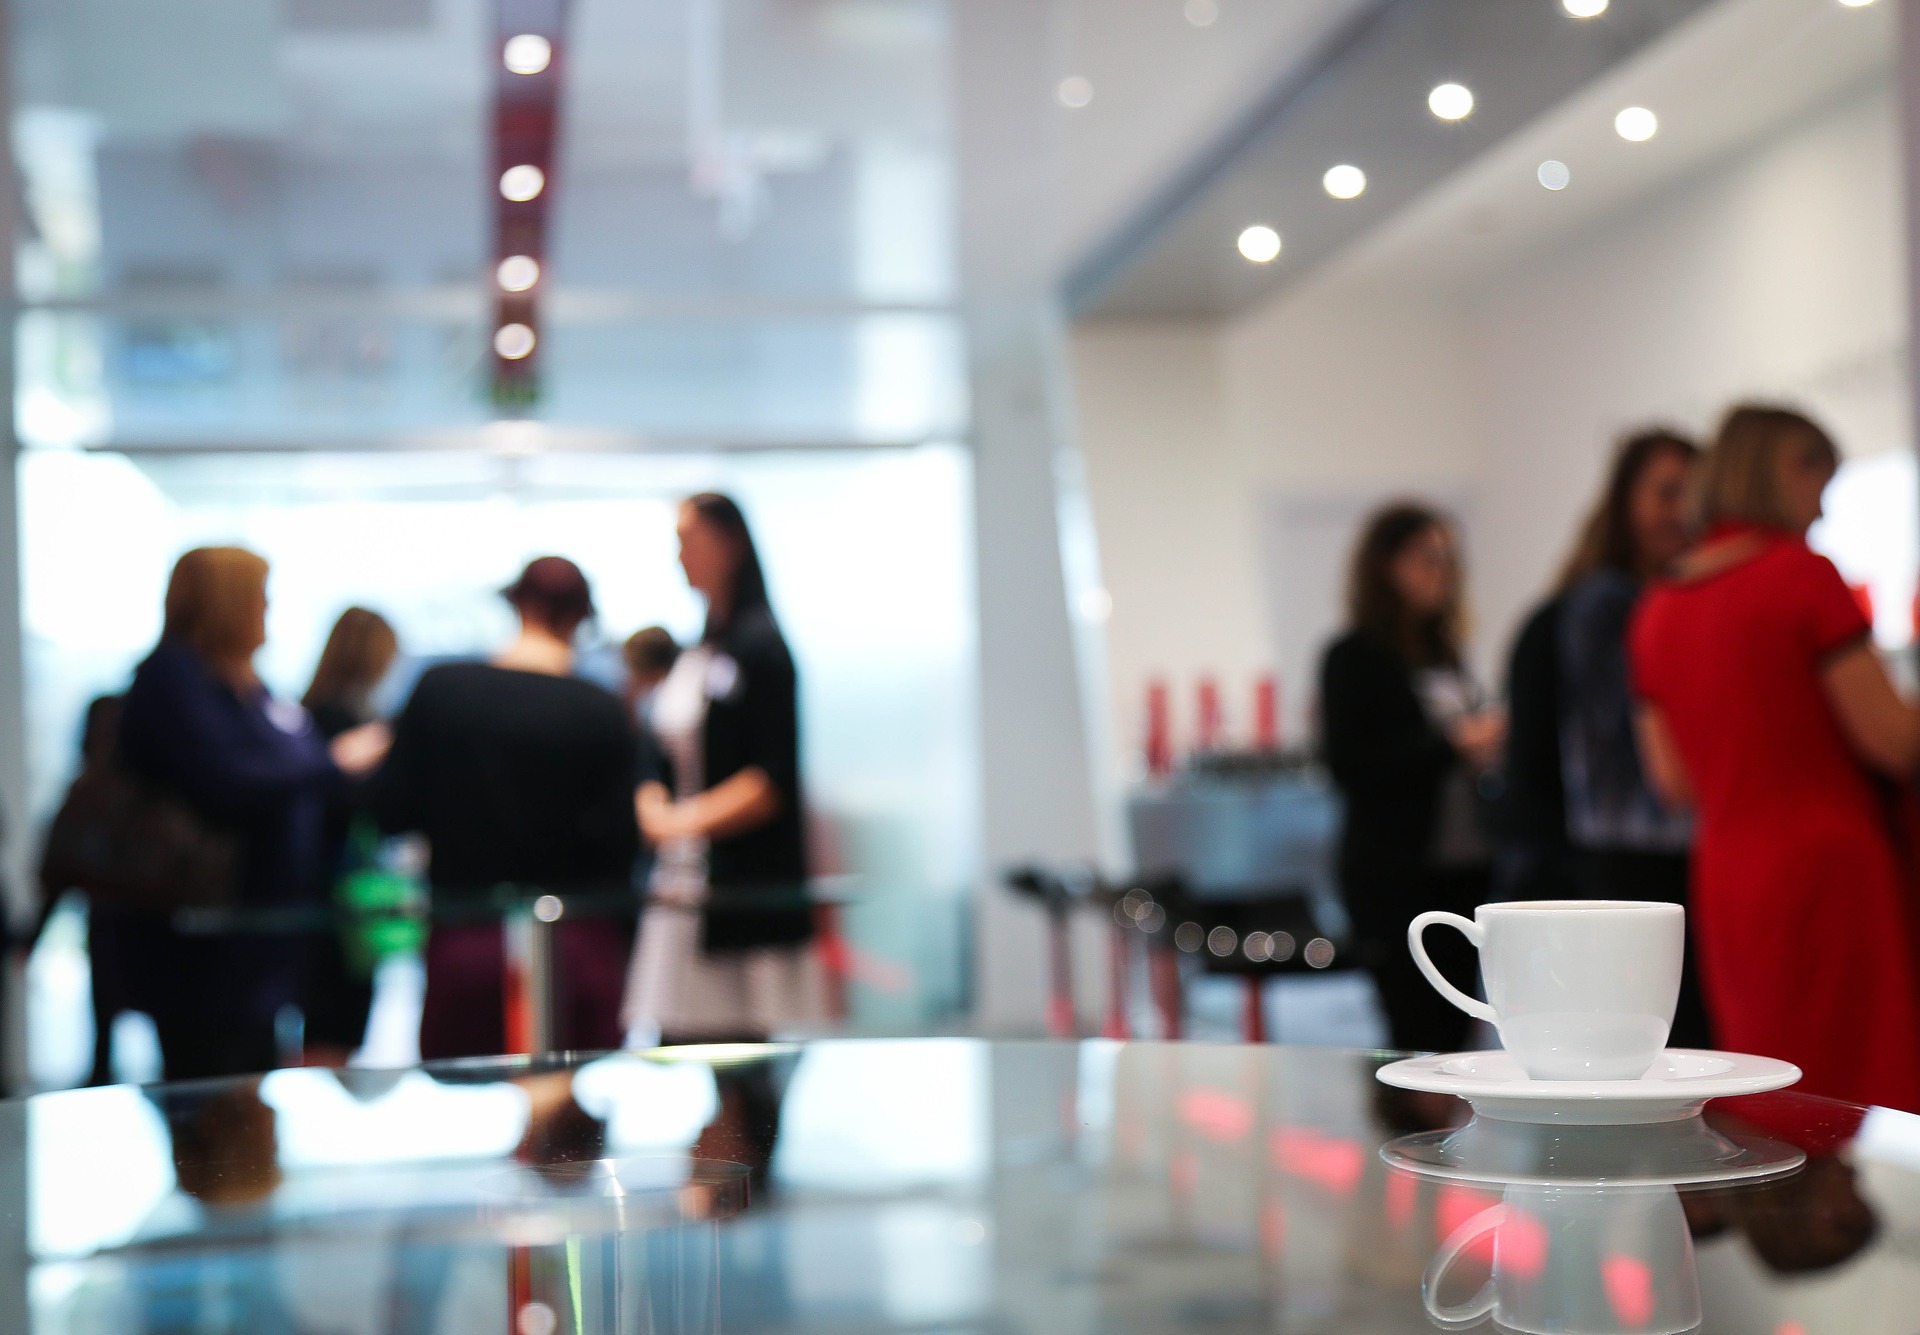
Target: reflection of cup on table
1579, 989
1575, 1261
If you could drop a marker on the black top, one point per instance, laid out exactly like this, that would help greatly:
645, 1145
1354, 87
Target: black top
1531, 816
1389, 762
755, 721
516, 778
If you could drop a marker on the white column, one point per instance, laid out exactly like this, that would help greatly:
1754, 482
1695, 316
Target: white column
1038, 800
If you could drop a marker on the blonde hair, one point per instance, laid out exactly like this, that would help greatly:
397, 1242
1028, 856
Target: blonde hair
1740, 481
212, 600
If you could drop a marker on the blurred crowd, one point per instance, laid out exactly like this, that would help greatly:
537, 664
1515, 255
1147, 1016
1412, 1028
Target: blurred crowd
1696, 713
245, 857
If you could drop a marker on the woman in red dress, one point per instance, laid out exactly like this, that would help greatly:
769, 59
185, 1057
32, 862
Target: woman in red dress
1764, 707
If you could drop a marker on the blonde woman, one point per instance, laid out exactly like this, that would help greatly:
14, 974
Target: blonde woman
1765, 710
198, 723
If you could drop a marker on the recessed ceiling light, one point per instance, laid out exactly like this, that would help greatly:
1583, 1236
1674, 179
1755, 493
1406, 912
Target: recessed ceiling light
1584, 9
1345, 181
1259, 243
513, 341
528, 53
1451, 101
1201, 13
517, 273
1636, 124
1074, 91
1553, 174
1856, 4
522, 183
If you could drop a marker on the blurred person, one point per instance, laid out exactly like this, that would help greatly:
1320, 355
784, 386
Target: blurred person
1407, 734
113, 943
649, 656
359, 652
1580, 818
1765, 709
723, 949
521, 776
197, 723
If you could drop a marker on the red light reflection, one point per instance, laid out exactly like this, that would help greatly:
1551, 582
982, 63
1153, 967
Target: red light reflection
1629, 1284
1402, 1194
1216, 1114
1523, 1242
1327, 1161
1457, 1205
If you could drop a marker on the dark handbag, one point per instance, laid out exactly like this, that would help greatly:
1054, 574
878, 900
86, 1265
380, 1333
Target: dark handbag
132, 845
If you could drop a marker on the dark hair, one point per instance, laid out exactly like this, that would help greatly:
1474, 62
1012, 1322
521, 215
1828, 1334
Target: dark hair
749, 584
553, 594
650, 651
1374, 605
359, 650
1606, 539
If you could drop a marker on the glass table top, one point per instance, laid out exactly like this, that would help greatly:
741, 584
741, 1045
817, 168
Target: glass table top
937, 1185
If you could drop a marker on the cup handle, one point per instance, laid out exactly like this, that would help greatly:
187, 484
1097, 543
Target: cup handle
1470, 929
1475, 1309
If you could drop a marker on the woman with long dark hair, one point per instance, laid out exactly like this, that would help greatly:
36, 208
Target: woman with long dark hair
723, 944
1765, 709
359, 652
1580, 817
1408, 735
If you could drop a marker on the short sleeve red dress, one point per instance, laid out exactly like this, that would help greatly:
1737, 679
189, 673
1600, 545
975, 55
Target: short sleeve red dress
1802, 898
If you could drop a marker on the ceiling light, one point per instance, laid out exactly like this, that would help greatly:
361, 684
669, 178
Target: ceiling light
1345, 181
522, 183
1856, 4
1451, 101
1553, 174
1636, 124
517, 273
1584, 9
528, 53
1259, 243
1074, 91
1201, 13
513, 341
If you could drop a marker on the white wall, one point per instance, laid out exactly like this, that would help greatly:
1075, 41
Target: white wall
1229, 467
1255, 447
1779, 275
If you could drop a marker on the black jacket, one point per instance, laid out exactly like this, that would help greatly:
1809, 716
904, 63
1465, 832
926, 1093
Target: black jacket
1389, 762
758, 876
1531, 816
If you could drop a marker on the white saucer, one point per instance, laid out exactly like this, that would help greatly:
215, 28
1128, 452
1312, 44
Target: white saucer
1497, 1152
1680, 1083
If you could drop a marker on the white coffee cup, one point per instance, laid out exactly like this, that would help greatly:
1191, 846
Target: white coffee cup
1580, 989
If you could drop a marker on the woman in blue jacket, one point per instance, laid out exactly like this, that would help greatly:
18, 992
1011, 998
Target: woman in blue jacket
198, 723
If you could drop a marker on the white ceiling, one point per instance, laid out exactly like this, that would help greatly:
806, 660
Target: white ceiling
1729, 78
1165, 91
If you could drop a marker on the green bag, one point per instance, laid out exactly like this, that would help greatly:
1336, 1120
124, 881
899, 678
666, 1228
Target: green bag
383, 907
